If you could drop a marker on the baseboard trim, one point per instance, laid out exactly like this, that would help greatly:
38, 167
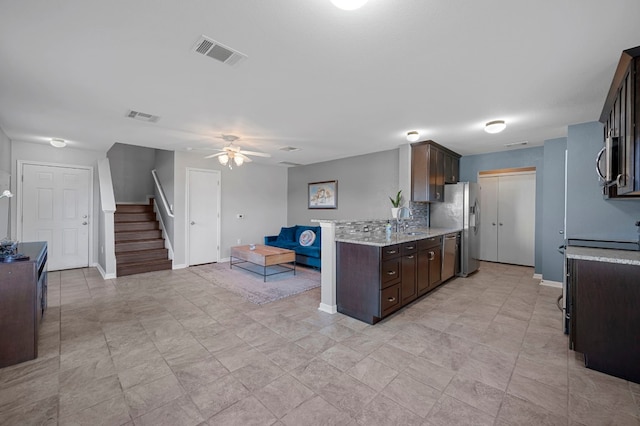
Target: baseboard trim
330, 309
555, 284
537, 276
179, 266
105, 276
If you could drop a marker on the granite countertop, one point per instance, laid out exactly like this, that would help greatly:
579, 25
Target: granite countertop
379, 239
626, 257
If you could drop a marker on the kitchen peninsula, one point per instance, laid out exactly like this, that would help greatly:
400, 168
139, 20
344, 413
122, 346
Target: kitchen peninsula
376, 275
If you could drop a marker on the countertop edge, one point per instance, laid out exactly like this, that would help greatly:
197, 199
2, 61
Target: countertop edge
624, 257
379, 240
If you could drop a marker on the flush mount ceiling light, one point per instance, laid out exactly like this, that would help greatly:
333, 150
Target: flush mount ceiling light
348, 4
413, 136
58, 143
495, 126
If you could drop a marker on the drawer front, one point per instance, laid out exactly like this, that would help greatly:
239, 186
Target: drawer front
429, 242
389, 300
390, 251
409, 248
390, 271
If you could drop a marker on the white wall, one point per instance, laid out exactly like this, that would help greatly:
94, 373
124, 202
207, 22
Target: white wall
27, 151
257, 191
365, 183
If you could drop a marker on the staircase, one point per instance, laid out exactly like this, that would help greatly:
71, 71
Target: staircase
138, 240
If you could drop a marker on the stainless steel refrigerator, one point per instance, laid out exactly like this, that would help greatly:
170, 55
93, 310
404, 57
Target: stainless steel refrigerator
461, 209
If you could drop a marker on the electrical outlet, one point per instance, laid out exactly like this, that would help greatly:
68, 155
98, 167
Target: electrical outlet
239, 241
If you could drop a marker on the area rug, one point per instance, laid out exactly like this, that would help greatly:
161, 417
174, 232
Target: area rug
251, 286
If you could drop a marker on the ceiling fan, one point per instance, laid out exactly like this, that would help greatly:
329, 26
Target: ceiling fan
234, 154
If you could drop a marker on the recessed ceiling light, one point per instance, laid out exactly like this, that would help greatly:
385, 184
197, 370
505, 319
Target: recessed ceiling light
495, 126
58, 143
348, 4
413, 136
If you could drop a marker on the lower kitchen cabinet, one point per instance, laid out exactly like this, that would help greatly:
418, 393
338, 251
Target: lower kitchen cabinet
429, 270
604, 316
373, 282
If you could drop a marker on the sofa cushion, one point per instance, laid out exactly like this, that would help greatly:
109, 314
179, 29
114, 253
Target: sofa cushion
287, 234
307, 238
291, 245
308, 251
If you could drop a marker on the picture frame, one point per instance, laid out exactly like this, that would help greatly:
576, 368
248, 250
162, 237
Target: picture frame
323, 195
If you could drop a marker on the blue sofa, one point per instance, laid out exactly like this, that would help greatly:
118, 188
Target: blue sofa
289, 238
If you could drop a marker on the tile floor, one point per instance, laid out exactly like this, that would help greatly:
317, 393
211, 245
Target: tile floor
171, 348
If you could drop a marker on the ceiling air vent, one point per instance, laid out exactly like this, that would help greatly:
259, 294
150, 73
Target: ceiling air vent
289, 149
218, 51
136, 115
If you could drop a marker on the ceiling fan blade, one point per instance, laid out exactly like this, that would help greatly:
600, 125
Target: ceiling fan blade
256, 154
216, 155
244, 157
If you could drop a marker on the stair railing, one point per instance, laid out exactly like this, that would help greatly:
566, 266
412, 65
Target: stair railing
161, 192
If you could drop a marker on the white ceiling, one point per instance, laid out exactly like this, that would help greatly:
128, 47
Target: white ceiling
330, 82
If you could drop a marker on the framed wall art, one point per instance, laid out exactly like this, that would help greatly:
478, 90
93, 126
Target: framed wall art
323, 195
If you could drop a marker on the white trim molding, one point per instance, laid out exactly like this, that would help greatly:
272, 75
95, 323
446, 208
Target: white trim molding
555, 284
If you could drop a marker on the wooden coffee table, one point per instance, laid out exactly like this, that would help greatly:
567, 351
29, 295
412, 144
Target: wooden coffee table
264, 256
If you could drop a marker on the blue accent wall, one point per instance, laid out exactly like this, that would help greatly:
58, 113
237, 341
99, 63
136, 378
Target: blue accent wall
588, 214
553, 209
529, 157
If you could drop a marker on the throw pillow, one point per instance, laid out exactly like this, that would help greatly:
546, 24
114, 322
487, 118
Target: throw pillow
287, 234
307, 238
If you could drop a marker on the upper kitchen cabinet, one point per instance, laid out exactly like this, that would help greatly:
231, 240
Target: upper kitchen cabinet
432, 166
621, 117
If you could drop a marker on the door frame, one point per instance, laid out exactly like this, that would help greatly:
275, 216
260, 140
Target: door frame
90, 209
187, 234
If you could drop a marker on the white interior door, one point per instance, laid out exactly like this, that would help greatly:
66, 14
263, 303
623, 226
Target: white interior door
55, 209
489, 223
203, 215
516, 219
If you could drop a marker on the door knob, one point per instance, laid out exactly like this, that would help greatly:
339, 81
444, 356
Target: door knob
493, 223
193, 223
84, 223
500, 223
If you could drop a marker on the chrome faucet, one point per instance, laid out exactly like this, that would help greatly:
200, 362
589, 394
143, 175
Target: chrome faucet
403, 213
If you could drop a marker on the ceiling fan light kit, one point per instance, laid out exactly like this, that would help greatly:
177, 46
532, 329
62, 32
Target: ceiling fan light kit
495, 126
231, 154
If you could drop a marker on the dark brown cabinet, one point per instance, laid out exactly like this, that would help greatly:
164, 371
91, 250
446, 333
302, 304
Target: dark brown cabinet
429, 268
23, 300
432, 166
373, 282
409, 261
604, 316
621, 118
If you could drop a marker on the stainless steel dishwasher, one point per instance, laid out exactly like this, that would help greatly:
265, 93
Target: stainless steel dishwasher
450, 251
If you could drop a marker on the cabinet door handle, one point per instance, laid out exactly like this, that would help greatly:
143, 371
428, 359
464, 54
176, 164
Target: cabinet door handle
409, 248
391, 299
391, 273
391, 252
437, 195
432, 255
410, 257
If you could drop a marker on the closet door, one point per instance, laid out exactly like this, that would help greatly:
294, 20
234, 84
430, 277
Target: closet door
489, 222
516, 219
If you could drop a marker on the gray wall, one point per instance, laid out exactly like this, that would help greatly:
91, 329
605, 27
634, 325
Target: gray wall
528, 157
588, 214
365, 183
131, 172
257, 191
5, 183
164, 165
553, 211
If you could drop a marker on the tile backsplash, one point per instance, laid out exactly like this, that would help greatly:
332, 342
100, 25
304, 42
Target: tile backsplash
420, 212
